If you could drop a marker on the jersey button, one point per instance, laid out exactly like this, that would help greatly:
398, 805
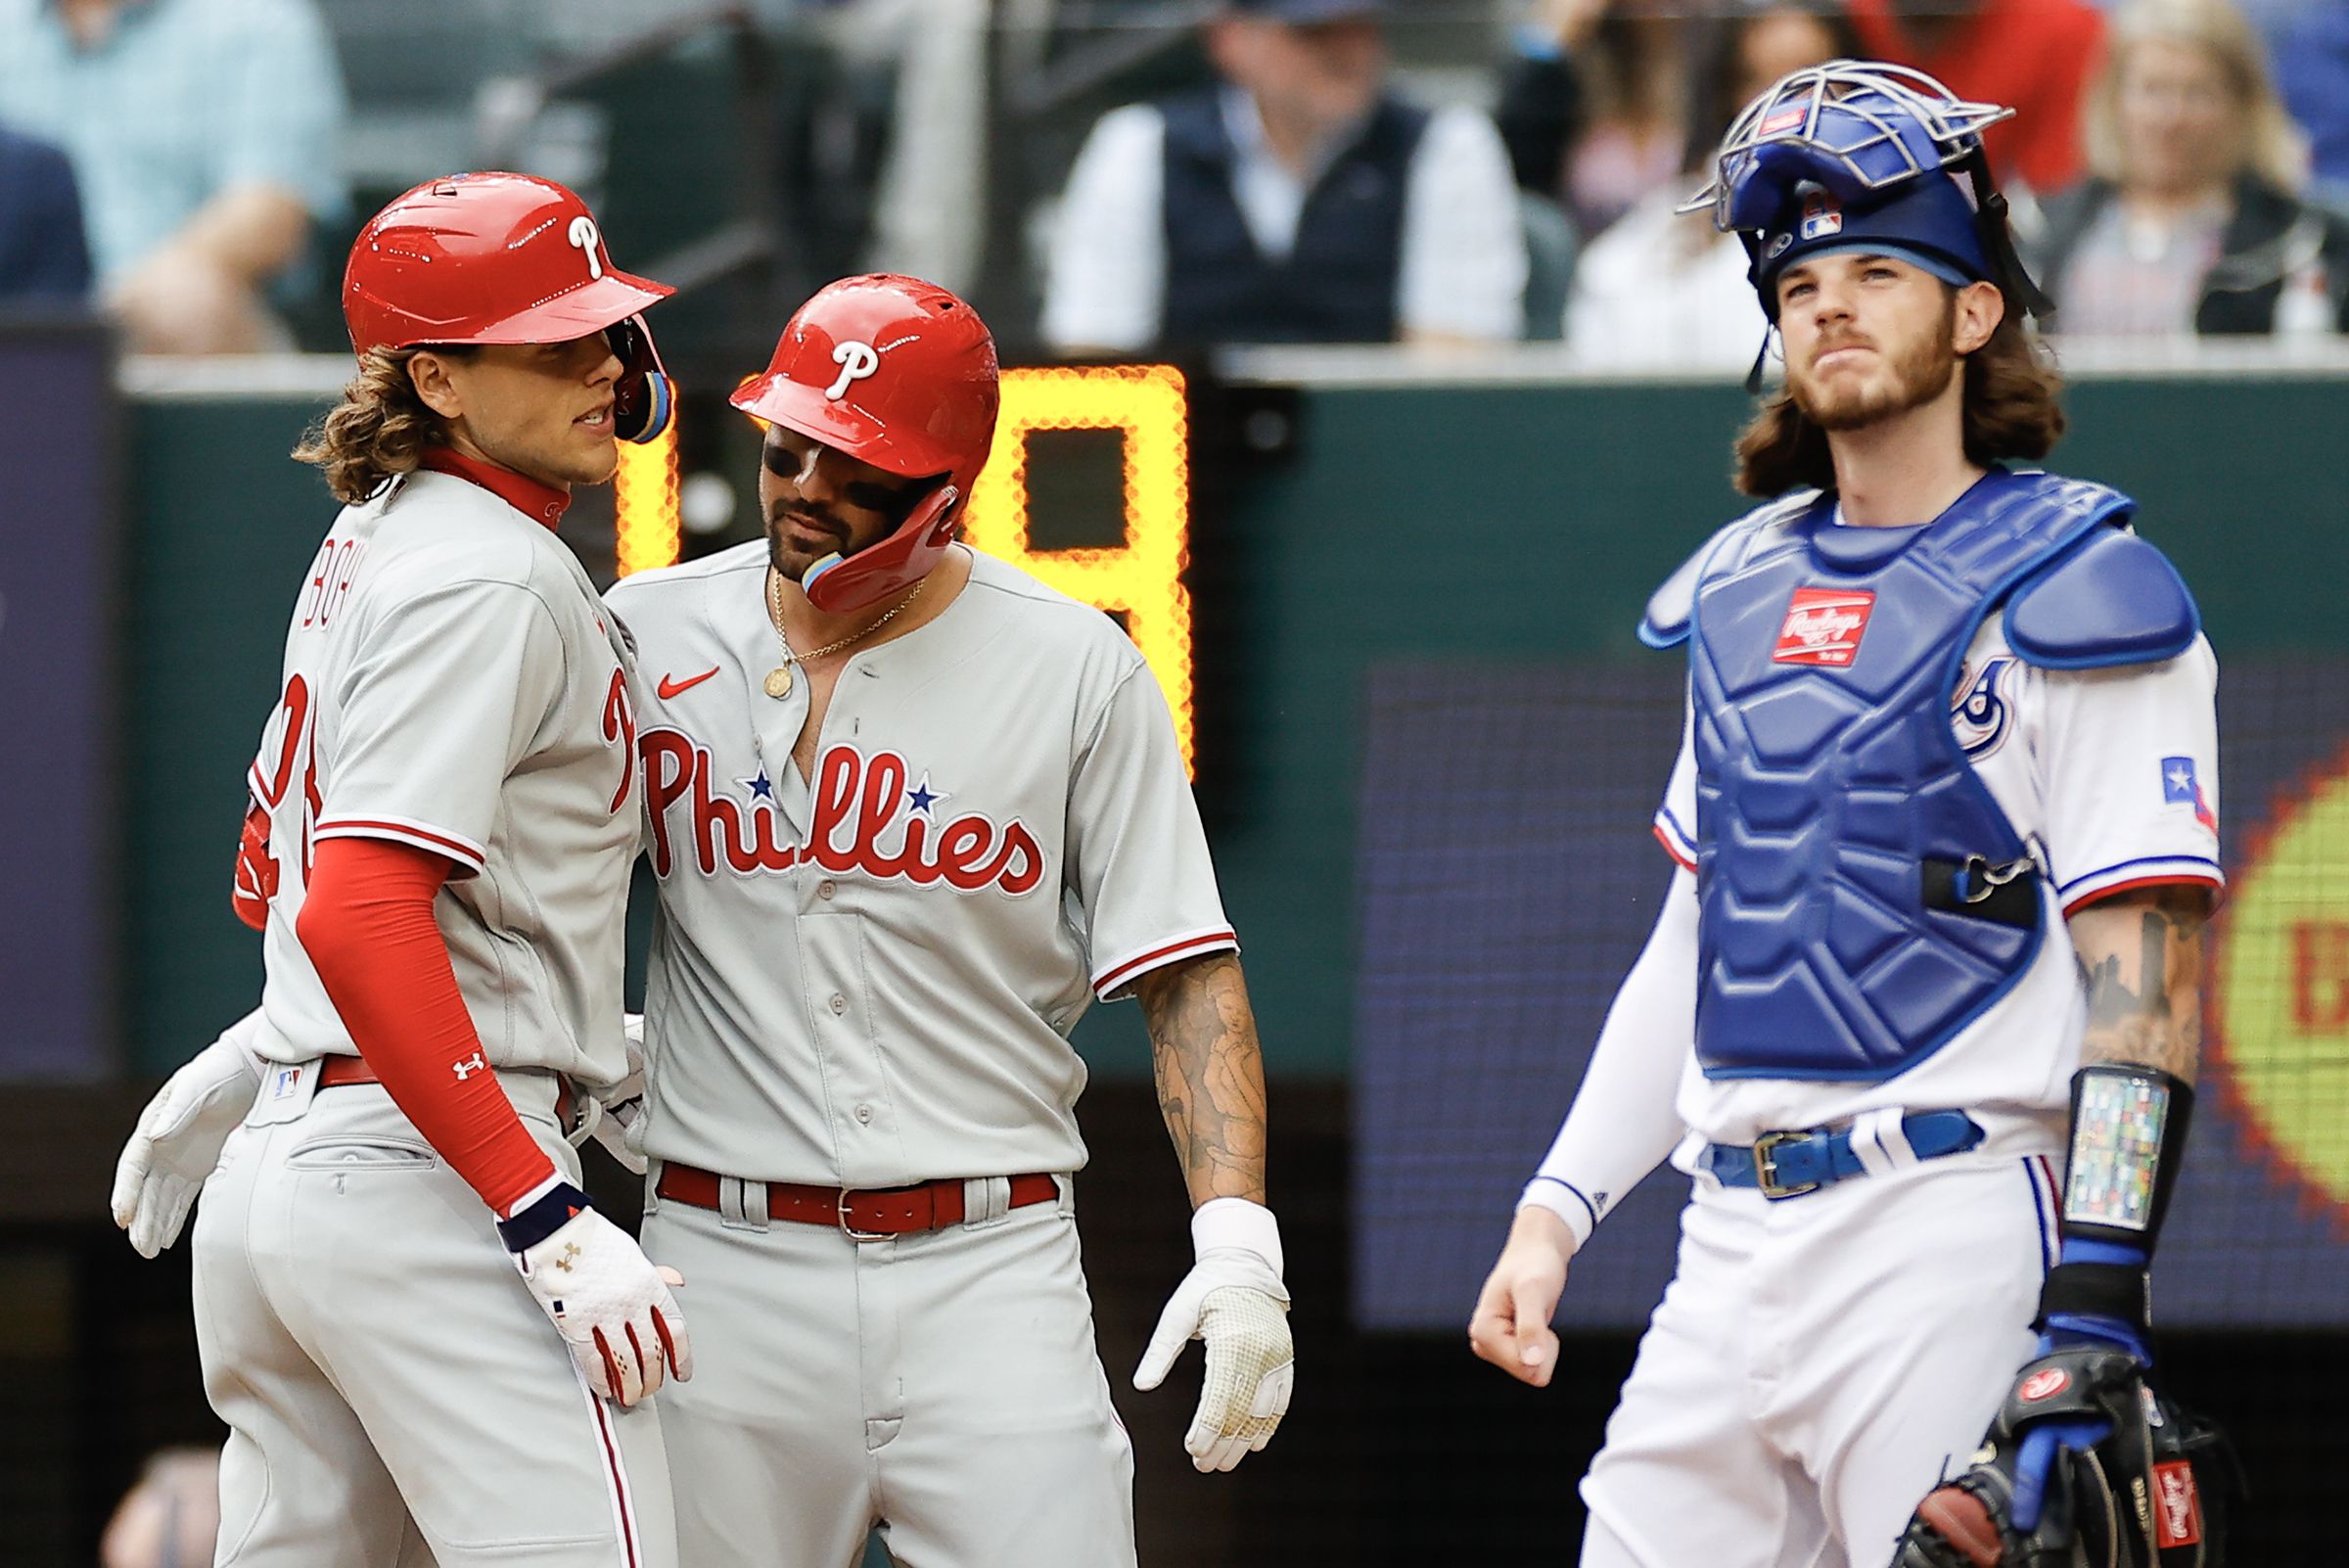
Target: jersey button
825, 890
865, 1112
840, 1004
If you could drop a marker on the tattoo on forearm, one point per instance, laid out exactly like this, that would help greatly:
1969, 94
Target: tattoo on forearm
2141, 959
1210, 1075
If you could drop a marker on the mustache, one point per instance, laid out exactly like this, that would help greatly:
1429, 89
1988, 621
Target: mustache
1827, 346
817, 518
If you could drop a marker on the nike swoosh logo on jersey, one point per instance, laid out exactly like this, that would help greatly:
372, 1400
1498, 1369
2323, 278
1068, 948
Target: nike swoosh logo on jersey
670, 686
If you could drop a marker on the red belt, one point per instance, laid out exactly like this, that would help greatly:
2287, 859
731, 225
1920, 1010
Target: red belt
340, 1072
861, 1212
335, 1072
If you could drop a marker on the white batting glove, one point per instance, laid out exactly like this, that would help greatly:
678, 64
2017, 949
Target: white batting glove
1233, 1299
177, 1141
618, 1123
606, 1298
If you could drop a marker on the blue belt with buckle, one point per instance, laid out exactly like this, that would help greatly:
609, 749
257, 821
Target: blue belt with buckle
1787, 1164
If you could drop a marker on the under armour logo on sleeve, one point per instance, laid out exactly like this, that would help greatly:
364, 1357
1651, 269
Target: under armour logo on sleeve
470, 1066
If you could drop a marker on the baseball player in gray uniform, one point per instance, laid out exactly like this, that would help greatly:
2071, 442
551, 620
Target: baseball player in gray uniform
911, 812
444, 810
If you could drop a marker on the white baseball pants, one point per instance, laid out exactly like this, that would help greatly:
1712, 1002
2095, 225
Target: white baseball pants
1819, 1364
942, 1386
394, 1395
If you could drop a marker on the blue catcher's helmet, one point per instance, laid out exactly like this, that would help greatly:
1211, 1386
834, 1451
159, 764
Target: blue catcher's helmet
1857, 155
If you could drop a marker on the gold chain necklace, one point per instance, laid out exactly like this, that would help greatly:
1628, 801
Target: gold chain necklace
778, 680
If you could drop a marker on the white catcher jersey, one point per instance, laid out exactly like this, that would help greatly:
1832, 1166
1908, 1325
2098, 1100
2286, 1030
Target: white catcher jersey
2111, 777
451, 681
867, 978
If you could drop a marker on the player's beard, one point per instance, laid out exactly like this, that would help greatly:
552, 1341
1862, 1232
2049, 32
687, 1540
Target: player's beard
1919, 374
790, 558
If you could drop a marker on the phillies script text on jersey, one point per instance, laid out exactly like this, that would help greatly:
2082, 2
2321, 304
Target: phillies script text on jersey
866, 819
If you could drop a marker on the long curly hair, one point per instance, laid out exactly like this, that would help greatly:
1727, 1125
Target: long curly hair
2012, 411
378, 429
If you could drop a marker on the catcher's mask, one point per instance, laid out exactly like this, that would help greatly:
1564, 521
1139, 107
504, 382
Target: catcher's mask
1860, 156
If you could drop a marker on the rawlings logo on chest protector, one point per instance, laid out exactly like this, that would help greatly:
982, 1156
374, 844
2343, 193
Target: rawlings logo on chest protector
870, 816
1823, 626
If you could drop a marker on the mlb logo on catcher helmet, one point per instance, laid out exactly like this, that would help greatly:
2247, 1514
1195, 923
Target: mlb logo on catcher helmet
1822, 215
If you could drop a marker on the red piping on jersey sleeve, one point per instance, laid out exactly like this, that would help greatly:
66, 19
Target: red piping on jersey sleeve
1679, 856
1133, 969
2131, 886
468, 855
367, 923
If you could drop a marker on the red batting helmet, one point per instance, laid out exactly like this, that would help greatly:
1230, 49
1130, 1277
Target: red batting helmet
901, 374
503, 258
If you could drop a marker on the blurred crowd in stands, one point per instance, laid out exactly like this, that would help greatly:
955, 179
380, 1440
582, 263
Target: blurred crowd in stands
1130, 176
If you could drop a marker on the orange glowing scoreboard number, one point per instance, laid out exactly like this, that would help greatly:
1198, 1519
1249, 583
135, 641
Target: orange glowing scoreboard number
647, 529
1139, 581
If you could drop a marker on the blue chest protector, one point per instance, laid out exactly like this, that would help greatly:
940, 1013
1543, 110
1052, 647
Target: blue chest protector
1846, 850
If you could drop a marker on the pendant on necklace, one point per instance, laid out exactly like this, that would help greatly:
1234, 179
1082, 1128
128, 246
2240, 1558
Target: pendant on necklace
778, 682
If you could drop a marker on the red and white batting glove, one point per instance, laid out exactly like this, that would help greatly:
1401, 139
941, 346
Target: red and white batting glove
1234, 1300
606, 1298
256, 872
181, 1133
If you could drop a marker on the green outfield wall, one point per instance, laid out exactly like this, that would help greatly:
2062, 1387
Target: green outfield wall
1523, 520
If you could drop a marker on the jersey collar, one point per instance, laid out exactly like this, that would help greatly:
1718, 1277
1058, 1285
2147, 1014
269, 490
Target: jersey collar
542, 503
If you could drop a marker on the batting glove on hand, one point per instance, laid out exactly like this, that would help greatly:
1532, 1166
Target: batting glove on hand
1234, 1300
606, 1298
178, 1142
618, 1122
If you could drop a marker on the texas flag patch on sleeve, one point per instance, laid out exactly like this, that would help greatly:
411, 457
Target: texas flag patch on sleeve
2180, 786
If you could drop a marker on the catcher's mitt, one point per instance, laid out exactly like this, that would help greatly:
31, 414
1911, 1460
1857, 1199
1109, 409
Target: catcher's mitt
2151, 1492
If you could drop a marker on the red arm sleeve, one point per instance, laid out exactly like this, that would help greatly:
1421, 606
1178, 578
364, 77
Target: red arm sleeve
368, 928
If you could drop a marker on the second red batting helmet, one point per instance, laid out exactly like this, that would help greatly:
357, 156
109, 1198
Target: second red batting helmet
483, 258
901, 374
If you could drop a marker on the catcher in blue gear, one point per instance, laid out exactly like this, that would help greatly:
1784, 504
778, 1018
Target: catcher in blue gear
2085, 1462
1921, 1012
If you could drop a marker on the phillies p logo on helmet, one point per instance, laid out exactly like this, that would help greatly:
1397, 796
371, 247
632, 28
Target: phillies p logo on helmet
856, 361
583, 235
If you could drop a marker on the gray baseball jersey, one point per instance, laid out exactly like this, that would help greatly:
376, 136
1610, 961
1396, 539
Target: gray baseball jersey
868, 978
451, 681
